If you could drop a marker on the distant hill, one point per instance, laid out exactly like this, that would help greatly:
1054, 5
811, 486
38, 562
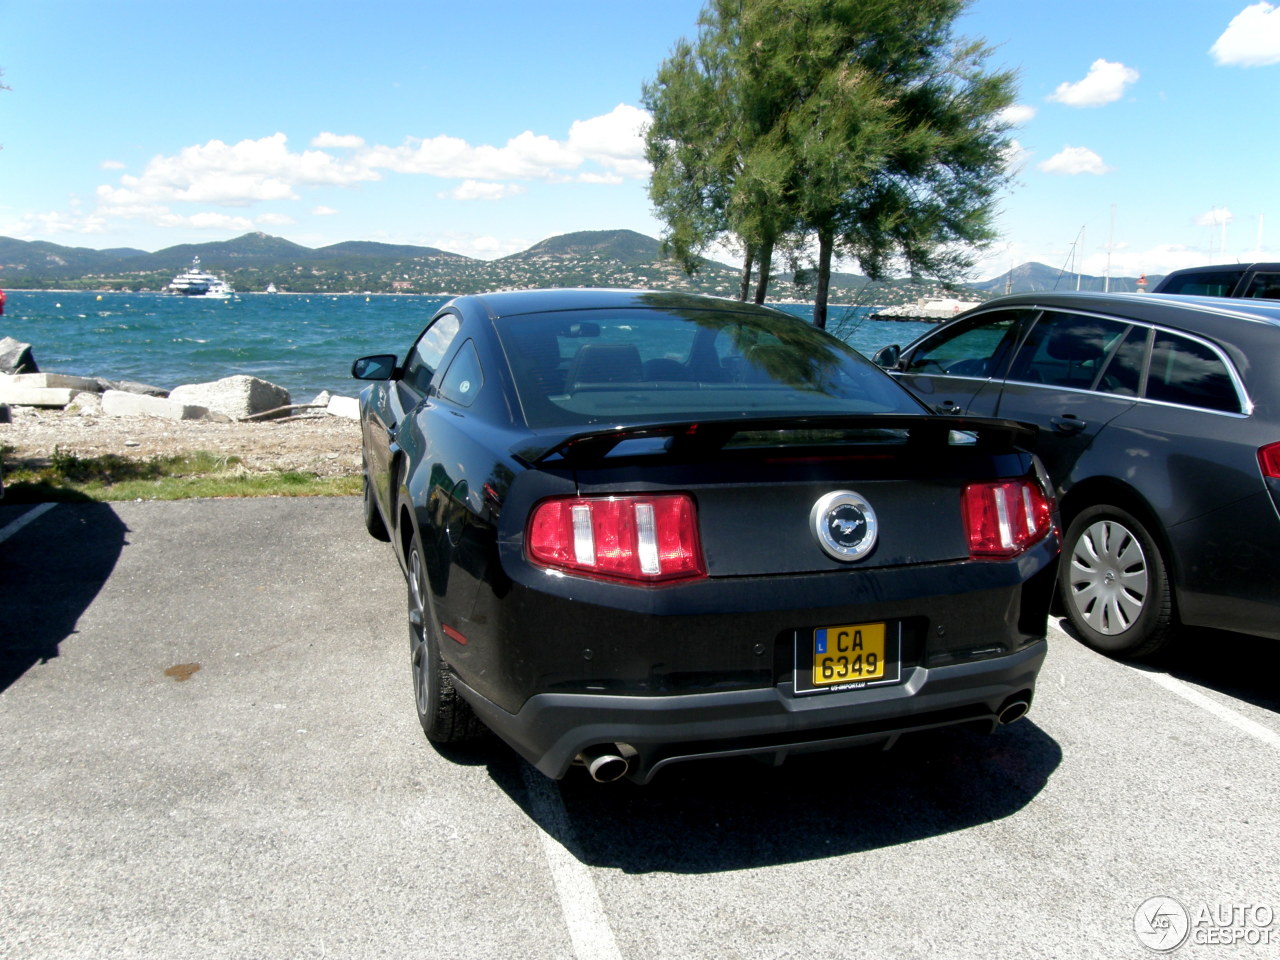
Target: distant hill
597, 258
623, 246
373, 251
50, 259
1039, 278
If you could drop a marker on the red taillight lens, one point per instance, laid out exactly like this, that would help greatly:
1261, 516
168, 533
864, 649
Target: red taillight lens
1006, 517
642, 539
1269, 460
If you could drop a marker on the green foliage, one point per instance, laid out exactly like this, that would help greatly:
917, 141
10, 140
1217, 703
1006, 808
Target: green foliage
863, 124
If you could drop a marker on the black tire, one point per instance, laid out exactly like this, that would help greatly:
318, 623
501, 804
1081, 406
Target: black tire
445, 716
1114, 584
373, 521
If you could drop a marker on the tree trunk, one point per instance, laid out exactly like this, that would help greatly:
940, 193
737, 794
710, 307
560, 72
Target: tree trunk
744, 287
826, 241
766, 268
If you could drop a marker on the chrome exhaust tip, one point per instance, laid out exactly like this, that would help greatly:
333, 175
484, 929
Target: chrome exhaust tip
1013, 711
605, 762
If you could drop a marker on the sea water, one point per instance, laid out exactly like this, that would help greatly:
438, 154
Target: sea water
302, 342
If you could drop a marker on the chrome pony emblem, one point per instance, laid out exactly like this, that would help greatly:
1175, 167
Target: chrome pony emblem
844, 524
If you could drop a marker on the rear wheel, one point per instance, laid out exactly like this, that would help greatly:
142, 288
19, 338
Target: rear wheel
1114, 584
445, 716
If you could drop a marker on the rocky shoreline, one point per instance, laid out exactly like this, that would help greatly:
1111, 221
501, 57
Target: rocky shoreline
237, 417
315, 443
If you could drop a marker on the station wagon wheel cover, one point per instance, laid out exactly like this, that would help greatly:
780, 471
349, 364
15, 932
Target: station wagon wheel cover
1109, 577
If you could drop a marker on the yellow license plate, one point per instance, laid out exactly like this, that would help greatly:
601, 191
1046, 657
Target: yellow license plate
851, 653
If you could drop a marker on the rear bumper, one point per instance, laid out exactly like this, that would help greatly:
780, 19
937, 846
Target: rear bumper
551, 729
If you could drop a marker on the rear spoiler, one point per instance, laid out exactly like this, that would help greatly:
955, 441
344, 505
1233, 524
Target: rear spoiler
701, 438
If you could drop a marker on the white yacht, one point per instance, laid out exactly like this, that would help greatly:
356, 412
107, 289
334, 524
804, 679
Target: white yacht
193, 282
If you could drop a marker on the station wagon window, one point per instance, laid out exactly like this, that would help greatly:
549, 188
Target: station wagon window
463, 380
1264, 286
1067, 350
1122, 375
429, 351
974, 348
1188, 372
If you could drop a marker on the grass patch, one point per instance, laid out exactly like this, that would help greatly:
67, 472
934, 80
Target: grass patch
179, 477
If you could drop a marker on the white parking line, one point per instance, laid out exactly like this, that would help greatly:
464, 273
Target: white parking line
1191, 695
580, 904
23, 520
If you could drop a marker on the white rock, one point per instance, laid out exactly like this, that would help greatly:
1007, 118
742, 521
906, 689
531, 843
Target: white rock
348, 407
118, 403
19, 396
86, 403
54, 380
237, 397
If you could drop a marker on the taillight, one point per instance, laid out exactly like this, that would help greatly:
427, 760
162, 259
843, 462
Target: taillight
634, 538
1269, 460
1005, 517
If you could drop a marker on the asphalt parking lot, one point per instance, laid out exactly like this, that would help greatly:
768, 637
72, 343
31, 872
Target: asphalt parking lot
208, 749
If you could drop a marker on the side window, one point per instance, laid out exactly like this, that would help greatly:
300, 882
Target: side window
427, 353
1188, 372
976, 347
1067, 350
463, 380
1263, 286
1122, 375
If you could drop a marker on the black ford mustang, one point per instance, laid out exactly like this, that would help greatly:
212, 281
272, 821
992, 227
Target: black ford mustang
639, 528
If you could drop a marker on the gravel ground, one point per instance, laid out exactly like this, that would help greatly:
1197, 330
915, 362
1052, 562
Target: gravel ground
317, 443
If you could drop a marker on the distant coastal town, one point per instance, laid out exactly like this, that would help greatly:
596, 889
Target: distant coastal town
259, 263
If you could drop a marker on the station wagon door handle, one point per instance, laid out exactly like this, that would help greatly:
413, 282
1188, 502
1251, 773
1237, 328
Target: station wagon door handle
1068, 425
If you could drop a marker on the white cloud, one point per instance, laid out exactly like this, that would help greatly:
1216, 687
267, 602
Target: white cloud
232, 175
111, 165
615, 140
275, 220
481, 190
1074, 160
31, 226
528, 156
1252, 39
323, 211
1105, 83
211, 220
337, 141
1217, 217
481, 247
606, 178
605, 149
1016, 115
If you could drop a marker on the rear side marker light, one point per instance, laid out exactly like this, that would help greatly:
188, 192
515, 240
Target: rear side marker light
1006, 517
1269, 460
633, 539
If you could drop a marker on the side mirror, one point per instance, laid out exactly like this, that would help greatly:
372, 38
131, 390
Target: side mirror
887, 357
379, 367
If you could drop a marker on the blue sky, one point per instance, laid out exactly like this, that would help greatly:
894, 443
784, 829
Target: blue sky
1146, 132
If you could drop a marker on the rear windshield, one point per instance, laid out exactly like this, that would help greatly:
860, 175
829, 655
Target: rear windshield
619, 366
1219, 284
